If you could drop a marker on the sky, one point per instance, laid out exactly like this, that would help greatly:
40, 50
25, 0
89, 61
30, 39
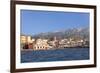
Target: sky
35, 21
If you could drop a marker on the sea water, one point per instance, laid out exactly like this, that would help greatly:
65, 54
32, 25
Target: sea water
64, 54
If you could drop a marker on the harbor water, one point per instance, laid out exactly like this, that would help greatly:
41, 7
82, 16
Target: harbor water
64, 54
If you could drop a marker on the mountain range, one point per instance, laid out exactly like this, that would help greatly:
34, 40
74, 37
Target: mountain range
67, 33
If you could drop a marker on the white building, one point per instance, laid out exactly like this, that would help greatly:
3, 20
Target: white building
41, 44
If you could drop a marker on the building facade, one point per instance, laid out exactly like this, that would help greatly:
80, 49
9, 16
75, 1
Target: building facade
41, 44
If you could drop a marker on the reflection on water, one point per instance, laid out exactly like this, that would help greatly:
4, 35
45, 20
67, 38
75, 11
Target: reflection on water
65, 54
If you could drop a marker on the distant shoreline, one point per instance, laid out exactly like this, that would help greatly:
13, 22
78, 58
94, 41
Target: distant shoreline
52, 49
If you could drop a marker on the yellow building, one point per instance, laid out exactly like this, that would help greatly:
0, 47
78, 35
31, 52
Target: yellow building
27, 39
23, 39
26, 42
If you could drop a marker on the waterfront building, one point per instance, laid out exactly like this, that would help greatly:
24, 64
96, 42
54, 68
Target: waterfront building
23, 39
30, 39
41, 44
63, 41
26, 39
54, 43
26, 42
30, 45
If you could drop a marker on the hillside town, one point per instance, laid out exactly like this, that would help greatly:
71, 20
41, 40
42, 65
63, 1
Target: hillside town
27, 42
